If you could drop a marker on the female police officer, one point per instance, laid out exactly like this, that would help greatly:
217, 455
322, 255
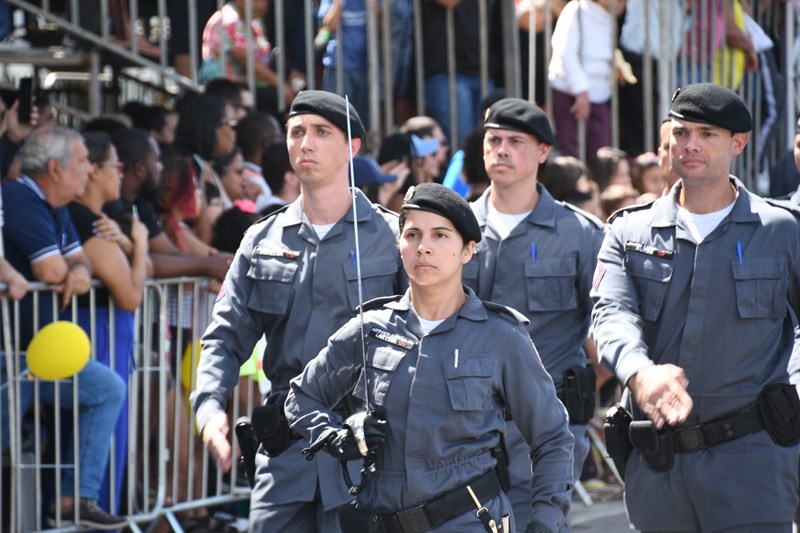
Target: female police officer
441, 367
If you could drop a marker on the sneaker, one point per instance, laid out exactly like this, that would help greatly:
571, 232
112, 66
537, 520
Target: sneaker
91, 516
10, 42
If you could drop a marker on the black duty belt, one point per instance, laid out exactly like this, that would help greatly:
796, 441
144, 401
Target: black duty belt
696, 438
444, 508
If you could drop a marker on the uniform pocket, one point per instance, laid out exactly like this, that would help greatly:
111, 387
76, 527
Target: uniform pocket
382, 365
272, 284
377, 276
470, 383
551, 284
651, 275
761, 287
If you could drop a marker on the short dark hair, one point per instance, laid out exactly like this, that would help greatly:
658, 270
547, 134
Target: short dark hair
132, 144
197, 126
228, 90
256, 131
98, 143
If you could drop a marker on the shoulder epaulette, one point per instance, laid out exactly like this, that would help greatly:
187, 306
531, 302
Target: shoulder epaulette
379, 301
585, 214
274, 213
630, 209
386, 210
510, 314
784, 204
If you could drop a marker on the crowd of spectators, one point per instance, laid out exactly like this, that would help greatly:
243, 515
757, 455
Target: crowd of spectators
164, 192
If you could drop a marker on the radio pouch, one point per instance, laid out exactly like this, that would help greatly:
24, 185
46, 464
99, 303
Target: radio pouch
579, 394
779, 406
270, 425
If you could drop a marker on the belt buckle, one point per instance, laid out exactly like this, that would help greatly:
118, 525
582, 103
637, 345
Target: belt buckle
692, 439
414, 520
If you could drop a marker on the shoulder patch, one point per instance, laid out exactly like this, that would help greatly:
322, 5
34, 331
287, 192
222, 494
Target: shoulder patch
630, 209
509, 313
274, 213
379, 301
585, 214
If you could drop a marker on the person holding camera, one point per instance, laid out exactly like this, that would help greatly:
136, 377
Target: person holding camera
294, 280
695, 298
440, 368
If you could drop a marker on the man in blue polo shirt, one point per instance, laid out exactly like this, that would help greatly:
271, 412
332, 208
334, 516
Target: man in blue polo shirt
41, 243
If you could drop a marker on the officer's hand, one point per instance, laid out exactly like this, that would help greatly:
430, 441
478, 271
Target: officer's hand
660, 392
535, 526
215, 437
342, 445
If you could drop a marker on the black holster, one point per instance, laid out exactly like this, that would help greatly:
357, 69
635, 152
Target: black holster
779, 406
354, 519
500, 453
579, 394
655, 446
618, 444
270, 425
248, 442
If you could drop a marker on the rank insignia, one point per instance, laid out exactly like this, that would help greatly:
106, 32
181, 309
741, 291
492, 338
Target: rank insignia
392, 338
276, 252
649, 249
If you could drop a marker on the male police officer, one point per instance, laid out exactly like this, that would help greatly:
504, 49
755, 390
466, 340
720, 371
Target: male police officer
692, 297
294, 279
557, 246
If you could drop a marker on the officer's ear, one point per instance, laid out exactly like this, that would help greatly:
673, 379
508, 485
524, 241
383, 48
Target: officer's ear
467, 252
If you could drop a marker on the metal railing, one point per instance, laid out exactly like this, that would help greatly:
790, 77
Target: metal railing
167, 468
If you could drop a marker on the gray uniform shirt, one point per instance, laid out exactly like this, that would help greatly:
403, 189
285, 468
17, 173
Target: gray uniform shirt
444, 395
286, 283
544, 270
720, 311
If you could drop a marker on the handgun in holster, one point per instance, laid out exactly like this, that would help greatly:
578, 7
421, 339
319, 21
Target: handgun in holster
616, 430
249, 446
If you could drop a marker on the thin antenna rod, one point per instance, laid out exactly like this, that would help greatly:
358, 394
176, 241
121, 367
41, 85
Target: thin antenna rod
353, 194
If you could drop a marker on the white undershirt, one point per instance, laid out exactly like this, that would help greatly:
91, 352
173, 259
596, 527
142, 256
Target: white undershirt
428, 325
700, 226
322, 229
503, 223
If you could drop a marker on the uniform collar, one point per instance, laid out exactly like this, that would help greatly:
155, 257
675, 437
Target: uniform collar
472, 309
544, 214
294, 215
665, 213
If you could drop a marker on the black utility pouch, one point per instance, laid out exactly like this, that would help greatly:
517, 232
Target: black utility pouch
618, 444
579, 394
779, 406
656, 447
270, 425
354, 518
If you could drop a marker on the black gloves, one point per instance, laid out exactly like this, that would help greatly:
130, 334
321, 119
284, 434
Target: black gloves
537, 527
369, 428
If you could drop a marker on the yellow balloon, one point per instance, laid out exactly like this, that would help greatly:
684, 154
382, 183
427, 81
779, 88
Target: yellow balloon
186, 364
58, 351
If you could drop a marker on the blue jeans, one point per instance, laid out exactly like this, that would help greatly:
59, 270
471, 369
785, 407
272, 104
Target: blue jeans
100, 396
468, 97
5, 19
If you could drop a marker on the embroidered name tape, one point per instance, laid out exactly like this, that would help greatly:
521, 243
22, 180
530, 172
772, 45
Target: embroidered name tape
276, 252
649, 249
392, 338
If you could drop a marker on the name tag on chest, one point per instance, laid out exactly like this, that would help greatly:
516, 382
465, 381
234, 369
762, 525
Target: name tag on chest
649, 249
277, 252
392, 338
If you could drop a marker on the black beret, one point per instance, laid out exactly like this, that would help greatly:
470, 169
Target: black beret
519, 115
446, 202
330, 106
712, 104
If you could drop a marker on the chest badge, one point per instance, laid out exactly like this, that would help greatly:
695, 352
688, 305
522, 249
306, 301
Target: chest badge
649, 249
277, 252
392, 338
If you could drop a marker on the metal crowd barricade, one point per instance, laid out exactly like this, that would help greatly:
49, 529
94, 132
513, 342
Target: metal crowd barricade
169, 472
